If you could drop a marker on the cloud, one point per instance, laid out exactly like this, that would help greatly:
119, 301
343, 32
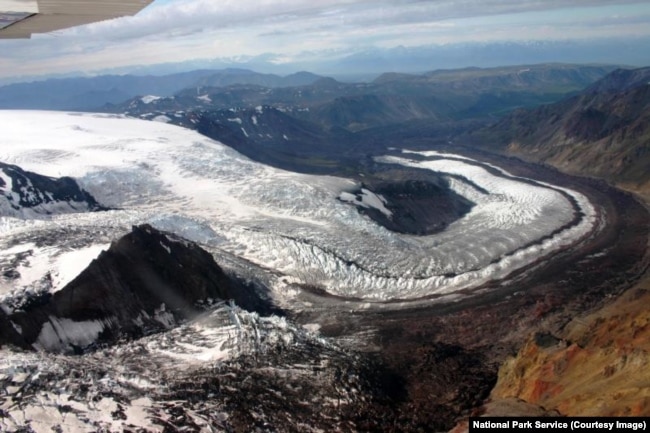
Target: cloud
180, 30
192, 16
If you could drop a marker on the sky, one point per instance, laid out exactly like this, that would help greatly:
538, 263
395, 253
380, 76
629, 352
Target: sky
294, 31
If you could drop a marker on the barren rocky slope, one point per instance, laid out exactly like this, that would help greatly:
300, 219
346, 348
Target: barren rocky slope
599, 365
603, 131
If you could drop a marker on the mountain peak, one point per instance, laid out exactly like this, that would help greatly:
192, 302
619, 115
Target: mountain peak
147, 281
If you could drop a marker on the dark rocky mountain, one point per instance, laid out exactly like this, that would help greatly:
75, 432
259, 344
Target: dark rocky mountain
420, 203
364, 111
8, 332
603, 131
264, 124
290, 99
25, 194
147, 281
280, 139
444, 95
236, 96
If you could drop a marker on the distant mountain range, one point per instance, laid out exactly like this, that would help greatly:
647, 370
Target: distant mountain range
89, 93
228, 77
365, 62
391, 98
631, 51
596, 123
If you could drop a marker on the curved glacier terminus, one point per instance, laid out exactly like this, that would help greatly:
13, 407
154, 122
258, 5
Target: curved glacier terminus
567, 217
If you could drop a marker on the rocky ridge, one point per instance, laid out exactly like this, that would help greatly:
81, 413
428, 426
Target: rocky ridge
437, 96
226, 371
26, 194
602, 132
147, 281
593, 364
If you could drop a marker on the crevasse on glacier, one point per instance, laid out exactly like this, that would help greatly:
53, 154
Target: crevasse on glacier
290, 223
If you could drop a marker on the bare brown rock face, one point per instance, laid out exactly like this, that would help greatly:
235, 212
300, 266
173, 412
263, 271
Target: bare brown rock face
600, 366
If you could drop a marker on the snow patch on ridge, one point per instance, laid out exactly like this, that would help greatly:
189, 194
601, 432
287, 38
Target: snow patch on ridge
148, 99
367, 199
39, 266
204, 98
162, 118
70, 264
59, 334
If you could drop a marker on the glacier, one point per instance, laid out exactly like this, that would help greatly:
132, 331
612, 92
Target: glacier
291, 227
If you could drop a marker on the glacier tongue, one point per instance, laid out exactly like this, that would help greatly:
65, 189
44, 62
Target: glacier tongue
287, 222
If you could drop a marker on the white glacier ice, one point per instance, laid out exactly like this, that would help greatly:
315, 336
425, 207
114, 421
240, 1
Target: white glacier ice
294, 224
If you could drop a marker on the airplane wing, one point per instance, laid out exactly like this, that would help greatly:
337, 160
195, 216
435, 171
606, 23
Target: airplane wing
22, 18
